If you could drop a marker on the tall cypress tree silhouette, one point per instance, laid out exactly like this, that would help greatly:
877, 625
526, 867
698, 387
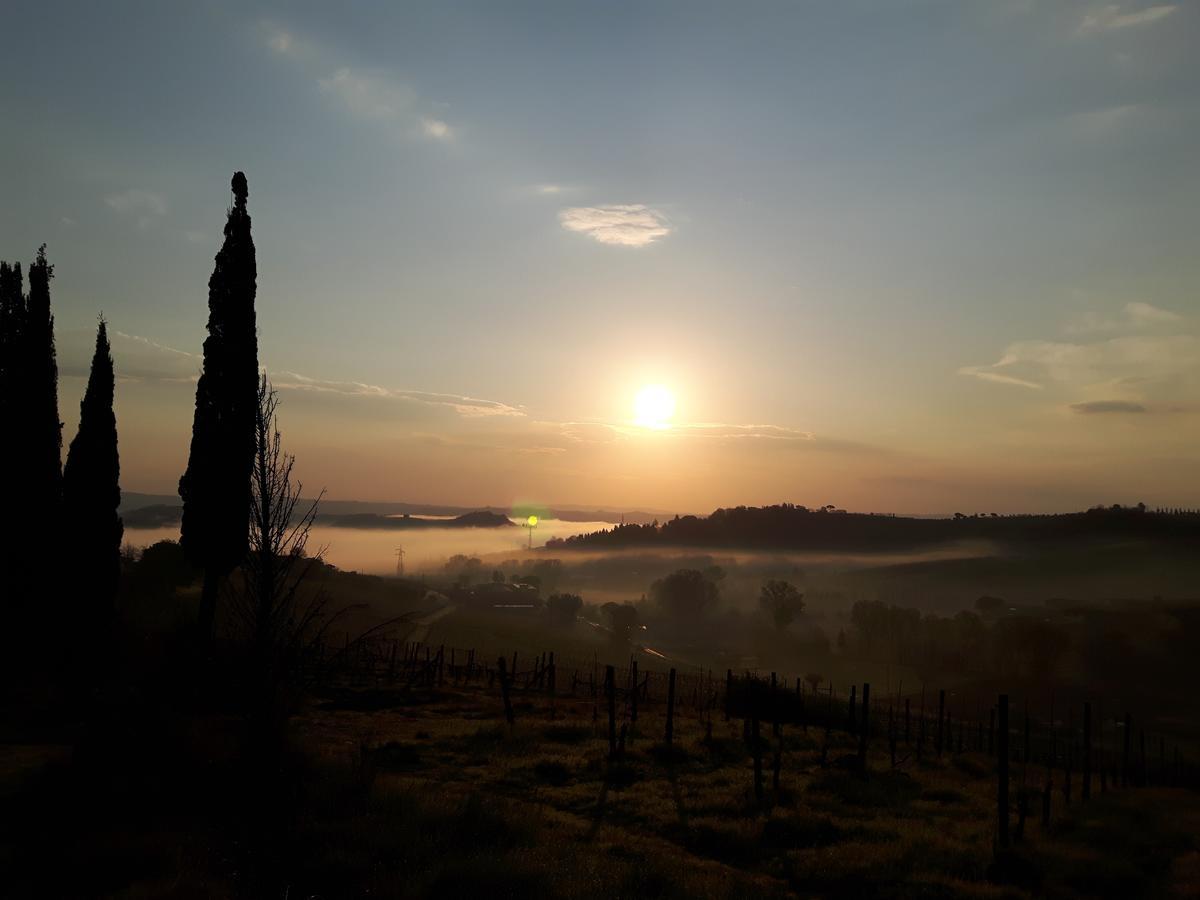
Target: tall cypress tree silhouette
32, 451
92, 492
215, 489
40, 377
12, 325
12, 413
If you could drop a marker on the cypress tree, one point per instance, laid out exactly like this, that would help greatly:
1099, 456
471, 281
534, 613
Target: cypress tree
92, 492
12, 404
215, 489
40, 378
12, 321
32, 447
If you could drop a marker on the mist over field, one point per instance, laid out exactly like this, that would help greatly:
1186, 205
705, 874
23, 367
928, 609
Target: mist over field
373, 551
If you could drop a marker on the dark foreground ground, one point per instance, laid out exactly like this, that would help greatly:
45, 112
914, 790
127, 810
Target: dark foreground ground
385, 792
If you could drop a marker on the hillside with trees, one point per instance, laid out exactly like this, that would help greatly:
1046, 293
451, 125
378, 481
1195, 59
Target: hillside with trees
790, 527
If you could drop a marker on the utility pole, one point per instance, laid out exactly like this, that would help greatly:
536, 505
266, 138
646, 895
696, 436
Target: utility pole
399, 562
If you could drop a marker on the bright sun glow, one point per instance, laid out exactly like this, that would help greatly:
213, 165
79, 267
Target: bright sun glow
654, 406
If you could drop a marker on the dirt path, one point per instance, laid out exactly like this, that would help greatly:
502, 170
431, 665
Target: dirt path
421, 632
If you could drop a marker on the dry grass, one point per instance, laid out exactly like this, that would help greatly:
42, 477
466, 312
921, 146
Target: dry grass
686, 817
393, 793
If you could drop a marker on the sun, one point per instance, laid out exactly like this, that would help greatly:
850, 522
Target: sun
654, 406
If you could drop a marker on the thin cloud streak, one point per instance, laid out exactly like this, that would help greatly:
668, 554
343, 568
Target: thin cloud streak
1110, 18
154, 344
1095, 407
471, 407
988, 373
1134, 316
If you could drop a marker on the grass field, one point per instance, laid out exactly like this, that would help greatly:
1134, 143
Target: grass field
538, 808
381, 790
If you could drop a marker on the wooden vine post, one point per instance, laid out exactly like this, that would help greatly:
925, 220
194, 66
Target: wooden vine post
1002, 780
670, 707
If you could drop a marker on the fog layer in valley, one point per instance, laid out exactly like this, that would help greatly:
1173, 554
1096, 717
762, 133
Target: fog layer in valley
373, 551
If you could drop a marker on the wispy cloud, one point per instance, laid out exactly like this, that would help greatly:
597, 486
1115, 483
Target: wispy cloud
468, 407
989, 373
754, 432
465, 406
144, 205
1161, 368
377, 97
707, 433
147, 342
1096, 407
1140, 313
366, 93
1133, 316
623, 225
1111, 18
279, 40
1104, 122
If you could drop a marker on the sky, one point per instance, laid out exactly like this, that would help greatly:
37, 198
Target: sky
905, 256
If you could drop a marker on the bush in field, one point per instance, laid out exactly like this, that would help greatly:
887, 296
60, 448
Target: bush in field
164, 567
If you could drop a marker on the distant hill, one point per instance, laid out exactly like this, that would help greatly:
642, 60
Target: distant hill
477, 519
788, 527
156, 515
163, 504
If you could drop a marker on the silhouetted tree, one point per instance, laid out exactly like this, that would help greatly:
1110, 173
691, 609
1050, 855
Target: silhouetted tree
32, 445
684, 593
279, 618
215, 489
162, 568
92, 492
39, 378
12, 325
781, 601
12, 400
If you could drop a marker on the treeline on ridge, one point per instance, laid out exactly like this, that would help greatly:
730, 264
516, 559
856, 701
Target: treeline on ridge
791, 527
